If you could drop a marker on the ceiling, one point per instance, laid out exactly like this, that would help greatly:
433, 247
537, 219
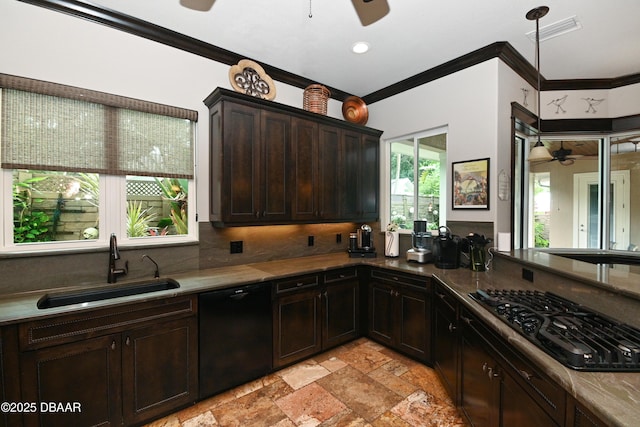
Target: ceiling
415, 36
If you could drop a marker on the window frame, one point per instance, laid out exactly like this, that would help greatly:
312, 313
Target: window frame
385, 217
113, 188
112, 219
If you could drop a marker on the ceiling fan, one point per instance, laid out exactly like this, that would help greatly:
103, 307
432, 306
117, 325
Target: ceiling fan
369, 11
564, 156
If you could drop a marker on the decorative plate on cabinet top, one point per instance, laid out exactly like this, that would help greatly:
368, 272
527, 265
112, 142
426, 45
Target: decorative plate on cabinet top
355, 110
248, 77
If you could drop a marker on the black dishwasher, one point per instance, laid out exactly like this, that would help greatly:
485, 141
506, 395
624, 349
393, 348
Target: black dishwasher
235, 337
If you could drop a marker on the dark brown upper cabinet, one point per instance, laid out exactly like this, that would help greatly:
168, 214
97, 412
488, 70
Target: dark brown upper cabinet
275, 164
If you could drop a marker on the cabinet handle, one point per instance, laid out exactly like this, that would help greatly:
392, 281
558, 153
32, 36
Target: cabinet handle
127, 341
527, 376
113, 345
466, 320
299, 284
342, 276
441, 296
491, 373
451, 327
320, 295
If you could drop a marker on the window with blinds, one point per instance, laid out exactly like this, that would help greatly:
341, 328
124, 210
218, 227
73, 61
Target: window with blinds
61, 145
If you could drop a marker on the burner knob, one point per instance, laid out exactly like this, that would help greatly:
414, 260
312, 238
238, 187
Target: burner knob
529, 327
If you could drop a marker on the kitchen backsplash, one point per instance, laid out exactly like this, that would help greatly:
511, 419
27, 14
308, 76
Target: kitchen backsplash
42, 271
266, 243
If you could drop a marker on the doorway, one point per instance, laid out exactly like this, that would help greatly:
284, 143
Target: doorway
586, 202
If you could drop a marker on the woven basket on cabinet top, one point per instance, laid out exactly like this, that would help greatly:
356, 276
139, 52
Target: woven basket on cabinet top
315, 99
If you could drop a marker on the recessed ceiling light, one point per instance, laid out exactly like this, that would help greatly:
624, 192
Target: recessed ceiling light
360, 47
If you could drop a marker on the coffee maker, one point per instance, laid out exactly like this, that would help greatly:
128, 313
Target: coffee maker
446, 249
361, 243
421, 242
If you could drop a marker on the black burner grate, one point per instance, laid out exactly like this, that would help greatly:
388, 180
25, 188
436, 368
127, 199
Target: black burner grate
573, 334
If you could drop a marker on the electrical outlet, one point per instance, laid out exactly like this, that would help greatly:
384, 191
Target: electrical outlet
339, 238
235, 247
527, 274
310, 241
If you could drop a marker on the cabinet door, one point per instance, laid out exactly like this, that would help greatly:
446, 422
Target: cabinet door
351, 172
297, 327
86, 373
413, 335
305, 183
382, 312
480, 382
240, 196
274, 166
579, 416
370, 178
330, 185
160, 367
340, 313
445, 341
518, 408
9, 380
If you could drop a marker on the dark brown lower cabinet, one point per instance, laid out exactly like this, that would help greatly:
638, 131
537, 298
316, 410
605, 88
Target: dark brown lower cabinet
297, 326
400, 312
86, 373
579, 416
499, 387
313, 313
340, 307
159, 369
142, 365
479, 380
445, 339
9, 378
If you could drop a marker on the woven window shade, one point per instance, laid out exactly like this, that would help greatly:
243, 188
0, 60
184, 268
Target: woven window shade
90, 131
154, 145
49, 133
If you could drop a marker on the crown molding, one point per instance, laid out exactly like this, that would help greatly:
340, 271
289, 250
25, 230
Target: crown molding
502, 50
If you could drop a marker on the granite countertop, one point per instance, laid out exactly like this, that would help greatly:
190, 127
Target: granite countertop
614, 397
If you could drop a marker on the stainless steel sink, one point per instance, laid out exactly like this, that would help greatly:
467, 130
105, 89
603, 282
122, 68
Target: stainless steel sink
62, 299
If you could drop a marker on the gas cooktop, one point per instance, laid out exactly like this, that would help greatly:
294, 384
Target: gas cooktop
573, 334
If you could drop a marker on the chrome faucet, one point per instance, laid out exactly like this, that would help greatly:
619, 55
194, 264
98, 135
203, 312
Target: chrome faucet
114, 254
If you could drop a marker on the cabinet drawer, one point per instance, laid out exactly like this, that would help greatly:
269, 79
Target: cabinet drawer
546, 392
86, 324
445, 298
299, 282
340, 275
400, 278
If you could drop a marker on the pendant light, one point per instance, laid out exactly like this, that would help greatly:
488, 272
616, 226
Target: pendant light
538, 152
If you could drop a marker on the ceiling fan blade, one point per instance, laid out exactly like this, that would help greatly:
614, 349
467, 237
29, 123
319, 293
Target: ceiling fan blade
199, 5
370, 11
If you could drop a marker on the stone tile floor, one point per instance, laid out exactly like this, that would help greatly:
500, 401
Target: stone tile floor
358, 384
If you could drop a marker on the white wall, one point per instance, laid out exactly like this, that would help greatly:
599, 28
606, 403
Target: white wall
51, 46
467, 103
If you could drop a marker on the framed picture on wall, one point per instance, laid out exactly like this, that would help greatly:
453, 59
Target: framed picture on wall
471, 184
